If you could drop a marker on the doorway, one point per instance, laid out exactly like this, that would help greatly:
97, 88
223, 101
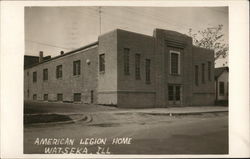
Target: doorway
174, 94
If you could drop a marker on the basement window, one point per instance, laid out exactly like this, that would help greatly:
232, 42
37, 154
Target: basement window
77, 97
45, 97
59, 97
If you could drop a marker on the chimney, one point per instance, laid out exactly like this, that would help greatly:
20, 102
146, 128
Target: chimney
41, 56
62, 52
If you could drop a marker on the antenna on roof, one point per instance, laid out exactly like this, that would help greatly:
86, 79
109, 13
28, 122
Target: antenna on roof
100, 19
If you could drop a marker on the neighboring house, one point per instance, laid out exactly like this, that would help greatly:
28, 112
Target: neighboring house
221, 85
127, 69
30, 60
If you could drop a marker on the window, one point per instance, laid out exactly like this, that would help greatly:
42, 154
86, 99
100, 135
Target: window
45, 97
196, 74
34, 97
102, 63
177, 93
170, 93
209, 70
126, 61
137, 67
59, 71
77, 97
203, 73
92, 96
147, 71
174, 63
34, 76
221, 88
45, 74
59, 97
227, 88
77, 67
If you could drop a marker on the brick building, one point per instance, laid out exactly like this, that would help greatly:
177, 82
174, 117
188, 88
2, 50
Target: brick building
127, 69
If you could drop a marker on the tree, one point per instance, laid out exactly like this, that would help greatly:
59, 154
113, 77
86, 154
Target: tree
211, 38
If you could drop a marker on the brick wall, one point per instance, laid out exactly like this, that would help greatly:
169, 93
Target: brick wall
68, 84
167, 41
203, 93
114, 87
134, 92
107, 81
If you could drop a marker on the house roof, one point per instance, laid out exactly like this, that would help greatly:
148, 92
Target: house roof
218, 71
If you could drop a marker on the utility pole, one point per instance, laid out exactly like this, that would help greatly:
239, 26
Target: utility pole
100, 20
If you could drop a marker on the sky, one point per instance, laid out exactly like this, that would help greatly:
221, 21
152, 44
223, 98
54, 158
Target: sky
55, 29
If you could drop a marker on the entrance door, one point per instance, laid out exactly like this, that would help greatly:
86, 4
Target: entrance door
174, 94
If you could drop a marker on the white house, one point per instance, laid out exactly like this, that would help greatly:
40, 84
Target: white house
221, 85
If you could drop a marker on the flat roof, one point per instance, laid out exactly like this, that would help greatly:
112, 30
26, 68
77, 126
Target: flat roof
65, 54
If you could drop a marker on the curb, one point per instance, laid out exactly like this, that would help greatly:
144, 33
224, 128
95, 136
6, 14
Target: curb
87, 118
186, 113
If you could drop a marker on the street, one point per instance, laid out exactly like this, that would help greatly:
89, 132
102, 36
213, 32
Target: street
149, 133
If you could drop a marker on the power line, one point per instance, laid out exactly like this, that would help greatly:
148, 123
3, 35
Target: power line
41, 43
217, 10
159, 18
100, 19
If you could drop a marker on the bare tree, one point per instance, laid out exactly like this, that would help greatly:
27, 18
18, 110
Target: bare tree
211, 38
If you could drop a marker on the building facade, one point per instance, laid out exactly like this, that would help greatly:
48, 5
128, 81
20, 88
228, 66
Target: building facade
127, 69
221, 85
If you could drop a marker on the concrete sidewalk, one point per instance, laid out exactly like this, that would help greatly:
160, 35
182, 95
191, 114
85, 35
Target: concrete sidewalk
97, 114
178, 110
71, 108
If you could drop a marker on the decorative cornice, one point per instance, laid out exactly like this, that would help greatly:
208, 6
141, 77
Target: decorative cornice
175, 43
